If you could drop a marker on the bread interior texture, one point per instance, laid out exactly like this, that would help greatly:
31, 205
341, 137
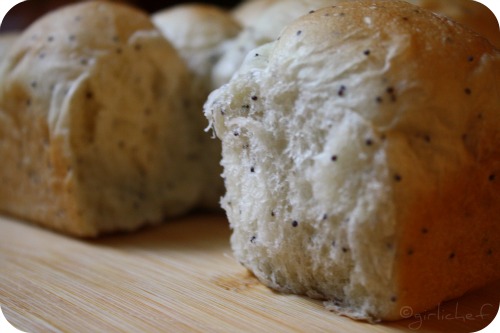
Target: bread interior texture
359, 159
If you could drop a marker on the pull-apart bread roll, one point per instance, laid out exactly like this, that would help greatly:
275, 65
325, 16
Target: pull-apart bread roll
361, 159
94, 133
198, 32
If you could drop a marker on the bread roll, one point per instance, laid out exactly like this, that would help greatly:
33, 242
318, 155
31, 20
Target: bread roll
95, 134
198, 31
361, 159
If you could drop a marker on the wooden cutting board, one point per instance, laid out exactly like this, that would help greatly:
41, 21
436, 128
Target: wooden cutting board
179, 277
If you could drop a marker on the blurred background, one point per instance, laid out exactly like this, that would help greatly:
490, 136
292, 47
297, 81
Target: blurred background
26, 12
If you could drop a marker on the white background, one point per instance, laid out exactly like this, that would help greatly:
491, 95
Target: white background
6, 5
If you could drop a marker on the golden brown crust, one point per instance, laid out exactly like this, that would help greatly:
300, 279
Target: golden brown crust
449, 242
472, 14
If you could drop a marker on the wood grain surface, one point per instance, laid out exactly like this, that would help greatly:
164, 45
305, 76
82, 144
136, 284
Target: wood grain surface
178, 277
